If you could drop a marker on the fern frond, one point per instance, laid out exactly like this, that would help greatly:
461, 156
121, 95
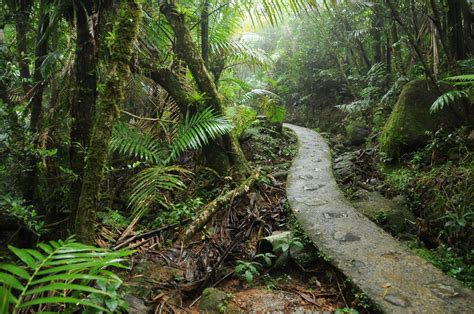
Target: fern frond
355, 106
446, 99
256, 93
242, 84
59, 272
149, 184
464, 80
133, 143
196, 130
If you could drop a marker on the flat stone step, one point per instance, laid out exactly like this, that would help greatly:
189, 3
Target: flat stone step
376, 262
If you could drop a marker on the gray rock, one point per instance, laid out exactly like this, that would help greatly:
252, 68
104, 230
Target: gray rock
135, 305
384, 211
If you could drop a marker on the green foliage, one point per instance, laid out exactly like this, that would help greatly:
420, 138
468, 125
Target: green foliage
25, 214
248, 270
130, 142
441, 190
347, 310
60, 273
242, 117
447, 99
290, 242
113, 219
449, 261
266, 257
178, 212
149, 185
466, 82
196, 130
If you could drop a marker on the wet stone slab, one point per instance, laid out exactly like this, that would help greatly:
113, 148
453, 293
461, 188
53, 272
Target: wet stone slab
393, 277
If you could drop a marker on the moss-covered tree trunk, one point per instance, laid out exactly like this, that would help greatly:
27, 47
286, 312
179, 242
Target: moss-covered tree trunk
123, 36
84, 97
230, 152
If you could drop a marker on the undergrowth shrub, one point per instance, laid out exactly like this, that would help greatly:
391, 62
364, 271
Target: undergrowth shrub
438, 180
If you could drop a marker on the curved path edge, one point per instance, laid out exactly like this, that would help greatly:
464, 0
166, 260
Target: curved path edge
375, 262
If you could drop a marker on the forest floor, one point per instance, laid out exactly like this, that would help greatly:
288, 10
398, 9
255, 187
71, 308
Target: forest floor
172, 278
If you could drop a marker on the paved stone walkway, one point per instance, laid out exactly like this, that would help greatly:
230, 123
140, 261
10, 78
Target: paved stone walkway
370, 257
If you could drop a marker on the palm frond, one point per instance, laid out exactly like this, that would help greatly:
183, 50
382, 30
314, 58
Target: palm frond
249, 97
464, 80
447, 99
133, 143
242, 84
59, 272
149, 185
196, 130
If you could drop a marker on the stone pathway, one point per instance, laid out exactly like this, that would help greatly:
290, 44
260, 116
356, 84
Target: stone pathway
377, 263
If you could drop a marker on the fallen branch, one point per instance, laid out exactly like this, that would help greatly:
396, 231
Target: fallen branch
213, 207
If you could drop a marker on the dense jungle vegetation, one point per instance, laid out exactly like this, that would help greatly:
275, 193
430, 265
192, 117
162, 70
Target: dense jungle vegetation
143, 139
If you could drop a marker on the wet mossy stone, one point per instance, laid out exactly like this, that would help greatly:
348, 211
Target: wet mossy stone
356, 132
405, 130
384, 211
214, 300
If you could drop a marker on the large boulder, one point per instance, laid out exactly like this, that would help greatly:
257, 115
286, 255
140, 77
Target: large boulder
405, 130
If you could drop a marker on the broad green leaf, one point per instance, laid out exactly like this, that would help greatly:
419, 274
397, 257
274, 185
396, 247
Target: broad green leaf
65, 286
24, 256
69, 277
9, 280
16, 270
49, 300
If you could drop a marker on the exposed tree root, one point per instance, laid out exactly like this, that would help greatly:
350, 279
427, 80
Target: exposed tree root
213, 207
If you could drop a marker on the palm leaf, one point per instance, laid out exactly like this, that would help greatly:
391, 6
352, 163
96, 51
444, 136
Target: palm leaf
41, 281
196, 130
149, 184
133, 143
446, 99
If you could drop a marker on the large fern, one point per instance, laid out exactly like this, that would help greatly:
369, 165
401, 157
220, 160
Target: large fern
60, 273
131, 142
196, 130
466, 82
150, 184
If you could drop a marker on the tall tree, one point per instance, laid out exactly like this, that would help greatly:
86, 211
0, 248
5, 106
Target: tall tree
110, 97
84, 98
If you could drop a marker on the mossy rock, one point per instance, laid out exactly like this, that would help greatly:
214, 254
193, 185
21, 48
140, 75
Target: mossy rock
356, 132
405, 130
384, 211
214, 300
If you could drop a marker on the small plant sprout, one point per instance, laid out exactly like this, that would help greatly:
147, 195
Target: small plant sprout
248, 270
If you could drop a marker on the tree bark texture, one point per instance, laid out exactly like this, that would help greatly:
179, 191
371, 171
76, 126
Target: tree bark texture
84, 97
109, 100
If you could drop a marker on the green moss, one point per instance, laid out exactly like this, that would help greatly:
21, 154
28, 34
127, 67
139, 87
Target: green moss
410, 119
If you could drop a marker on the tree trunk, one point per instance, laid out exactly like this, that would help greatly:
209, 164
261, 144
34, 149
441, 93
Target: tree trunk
396, 16
188, 52
110, 98
441, 31
22, 22
455, 27
36, 105
377, 25
468, 22
397, 52
84, 98
173, 86
205, 32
